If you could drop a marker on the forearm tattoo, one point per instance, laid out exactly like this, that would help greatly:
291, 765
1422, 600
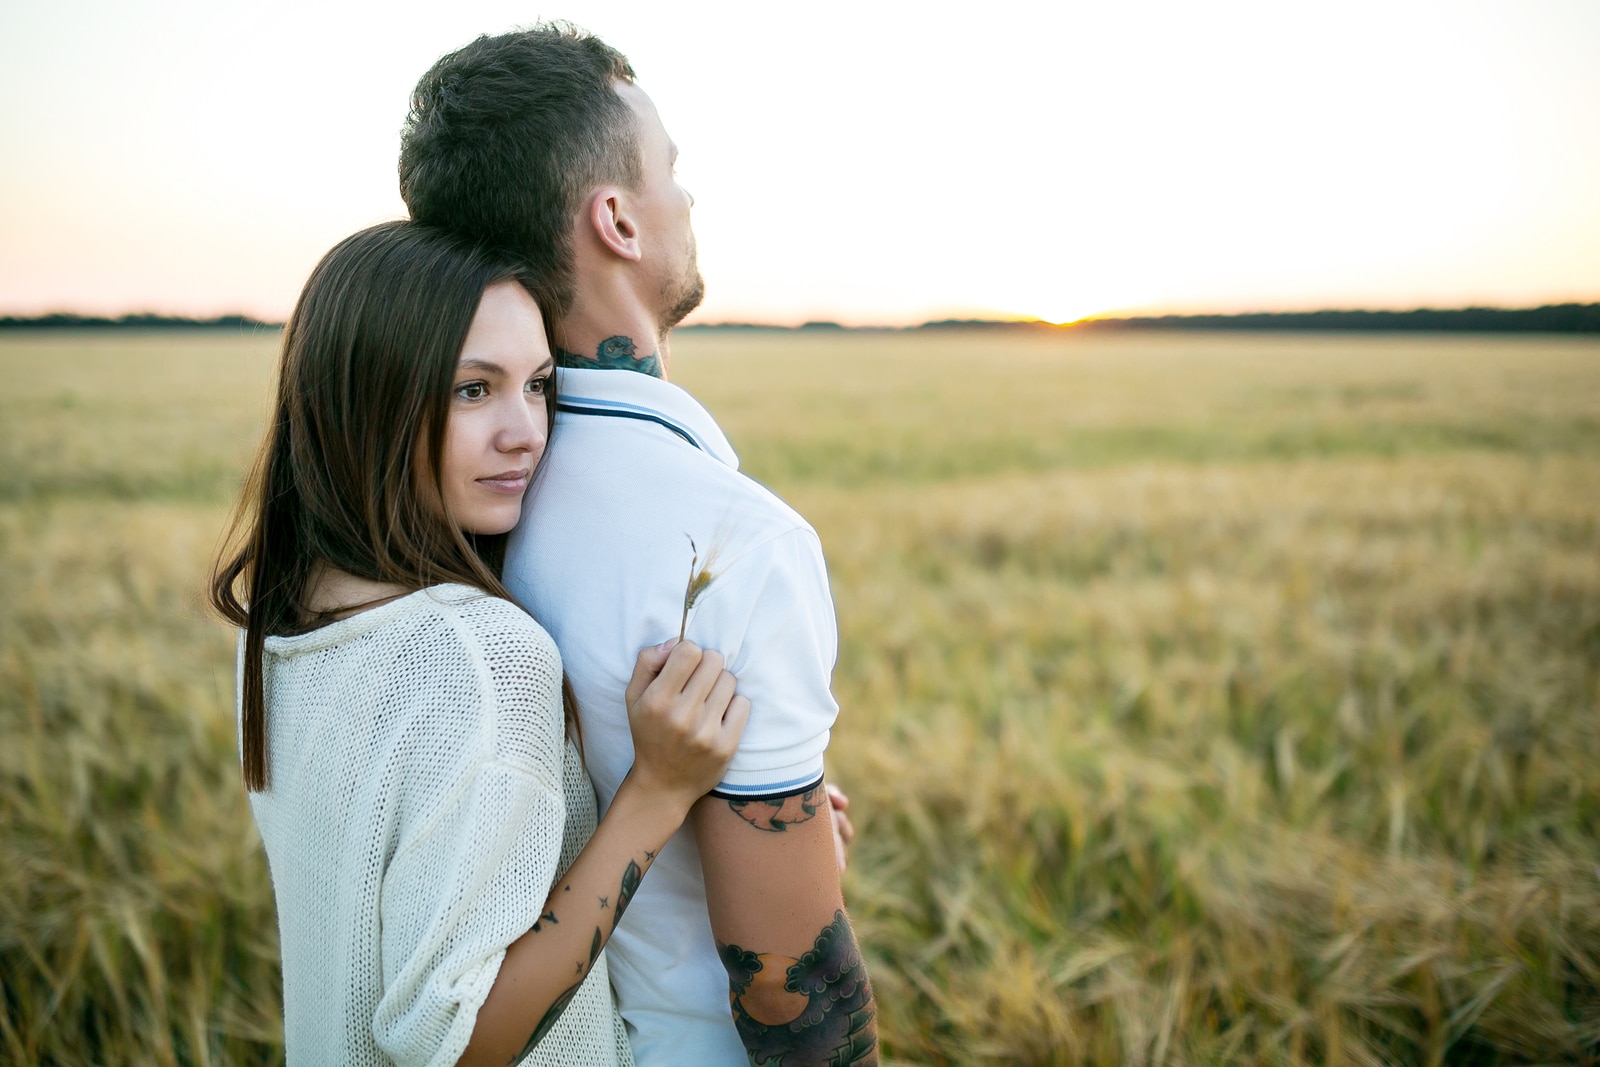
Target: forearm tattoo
631, 879
630, 885
780, 813
817, 1009
614, 353
559, 1005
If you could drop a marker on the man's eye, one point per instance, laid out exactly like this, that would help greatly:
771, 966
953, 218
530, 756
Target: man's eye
472, 391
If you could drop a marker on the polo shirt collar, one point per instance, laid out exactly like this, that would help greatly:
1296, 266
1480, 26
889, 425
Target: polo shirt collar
630, 394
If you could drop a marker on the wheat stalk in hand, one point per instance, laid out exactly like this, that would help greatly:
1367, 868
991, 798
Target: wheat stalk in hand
700, 579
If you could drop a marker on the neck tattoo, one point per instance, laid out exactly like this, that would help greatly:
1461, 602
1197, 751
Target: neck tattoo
614, 353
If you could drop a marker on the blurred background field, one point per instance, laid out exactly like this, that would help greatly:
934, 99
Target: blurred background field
1212, 698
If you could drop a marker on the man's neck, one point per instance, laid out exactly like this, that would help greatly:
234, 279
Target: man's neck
611, 342
617, 352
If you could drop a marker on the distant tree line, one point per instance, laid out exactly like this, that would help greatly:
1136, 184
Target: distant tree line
67, 320
1552, 318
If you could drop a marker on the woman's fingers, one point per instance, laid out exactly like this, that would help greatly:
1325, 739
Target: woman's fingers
686, 717
646, 666
838, 799
682, 690
683, 663
733, 723
707, 672
660, 671
722, 691
840, 803
844, 832
689, 670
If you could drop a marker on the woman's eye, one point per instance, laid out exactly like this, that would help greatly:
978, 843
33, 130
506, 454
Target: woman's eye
472, 391
540, 386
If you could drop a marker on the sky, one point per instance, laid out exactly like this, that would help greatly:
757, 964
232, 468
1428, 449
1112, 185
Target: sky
864, 162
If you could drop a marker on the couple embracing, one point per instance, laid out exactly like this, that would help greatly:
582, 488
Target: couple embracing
483, 849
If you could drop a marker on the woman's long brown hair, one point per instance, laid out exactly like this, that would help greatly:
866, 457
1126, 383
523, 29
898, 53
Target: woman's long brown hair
355, 442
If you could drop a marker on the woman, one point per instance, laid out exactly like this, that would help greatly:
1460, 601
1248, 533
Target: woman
401, 721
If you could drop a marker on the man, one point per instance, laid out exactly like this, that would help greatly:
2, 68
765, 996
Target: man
539, 142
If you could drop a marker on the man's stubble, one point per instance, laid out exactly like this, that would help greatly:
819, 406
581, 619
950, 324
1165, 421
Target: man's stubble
682, 295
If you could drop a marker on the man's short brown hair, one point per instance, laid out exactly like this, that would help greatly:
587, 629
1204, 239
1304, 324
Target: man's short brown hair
506, 137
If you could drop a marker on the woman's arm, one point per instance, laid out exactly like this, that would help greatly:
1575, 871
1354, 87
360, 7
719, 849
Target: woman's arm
545, 966
686, 722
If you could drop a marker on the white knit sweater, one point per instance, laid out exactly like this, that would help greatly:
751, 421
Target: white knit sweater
421, 801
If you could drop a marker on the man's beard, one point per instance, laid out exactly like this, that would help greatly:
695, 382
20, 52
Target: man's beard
683, 297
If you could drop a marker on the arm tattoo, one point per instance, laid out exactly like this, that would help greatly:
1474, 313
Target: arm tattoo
780, 813
614, 353
547, 1023
630, 885
820, 1010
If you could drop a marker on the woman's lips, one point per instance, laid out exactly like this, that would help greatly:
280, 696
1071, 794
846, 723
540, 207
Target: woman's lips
506, 482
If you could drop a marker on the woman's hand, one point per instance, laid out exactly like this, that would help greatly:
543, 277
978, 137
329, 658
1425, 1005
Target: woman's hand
686, 721
844, 831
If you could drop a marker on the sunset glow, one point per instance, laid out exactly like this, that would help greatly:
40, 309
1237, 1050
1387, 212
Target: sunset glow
863, 163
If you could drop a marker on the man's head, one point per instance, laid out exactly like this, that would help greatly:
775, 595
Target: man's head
507, 135
513, 140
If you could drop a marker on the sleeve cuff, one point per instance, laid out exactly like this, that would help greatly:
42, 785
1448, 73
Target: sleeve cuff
769, 789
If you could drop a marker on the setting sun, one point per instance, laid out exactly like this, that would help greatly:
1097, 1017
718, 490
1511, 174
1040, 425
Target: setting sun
865, 164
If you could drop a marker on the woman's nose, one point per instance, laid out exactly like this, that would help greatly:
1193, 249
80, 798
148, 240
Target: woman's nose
523, 429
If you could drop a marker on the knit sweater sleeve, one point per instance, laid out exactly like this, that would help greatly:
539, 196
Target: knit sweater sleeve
474, 871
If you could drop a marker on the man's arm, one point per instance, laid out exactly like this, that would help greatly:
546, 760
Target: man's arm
797, 986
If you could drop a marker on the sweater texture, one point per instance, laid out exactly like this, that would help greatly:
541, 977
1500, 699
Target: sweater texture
422, 799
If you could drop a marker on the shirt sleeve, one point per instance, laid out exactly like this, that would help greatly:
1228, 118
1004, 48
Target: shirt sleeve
771, 614
474, 876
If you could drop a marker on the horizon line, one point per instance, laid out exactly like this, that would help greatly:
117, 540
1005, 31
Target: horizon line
1562, 317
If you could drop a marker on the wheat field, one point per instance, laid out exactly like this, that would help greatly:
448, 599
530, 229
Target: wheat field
1206, 698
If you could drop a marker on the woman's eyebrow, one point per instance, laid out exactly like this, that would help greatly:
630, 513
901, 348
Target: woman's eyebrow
486, 366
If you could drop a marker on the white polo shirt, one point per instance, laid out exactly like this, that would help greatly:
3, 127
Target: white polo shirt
635, 468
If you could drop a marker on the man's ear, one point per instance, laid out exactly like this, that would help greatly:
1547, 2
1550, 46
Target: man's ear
609, 218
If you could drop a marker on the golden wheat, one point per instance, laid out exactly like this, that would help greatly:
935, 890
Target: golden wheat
1207, 698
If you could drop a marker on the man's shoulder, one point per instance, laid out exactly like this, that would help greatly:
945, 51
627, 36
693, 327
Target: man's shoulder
658, 478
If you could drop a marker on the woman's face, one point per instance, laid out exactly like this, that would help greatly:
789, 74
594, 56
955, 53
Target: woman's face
496, 431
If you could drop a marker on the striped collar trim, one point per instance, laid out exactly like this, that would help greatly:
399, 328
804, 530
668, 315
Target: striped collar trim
630, 395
